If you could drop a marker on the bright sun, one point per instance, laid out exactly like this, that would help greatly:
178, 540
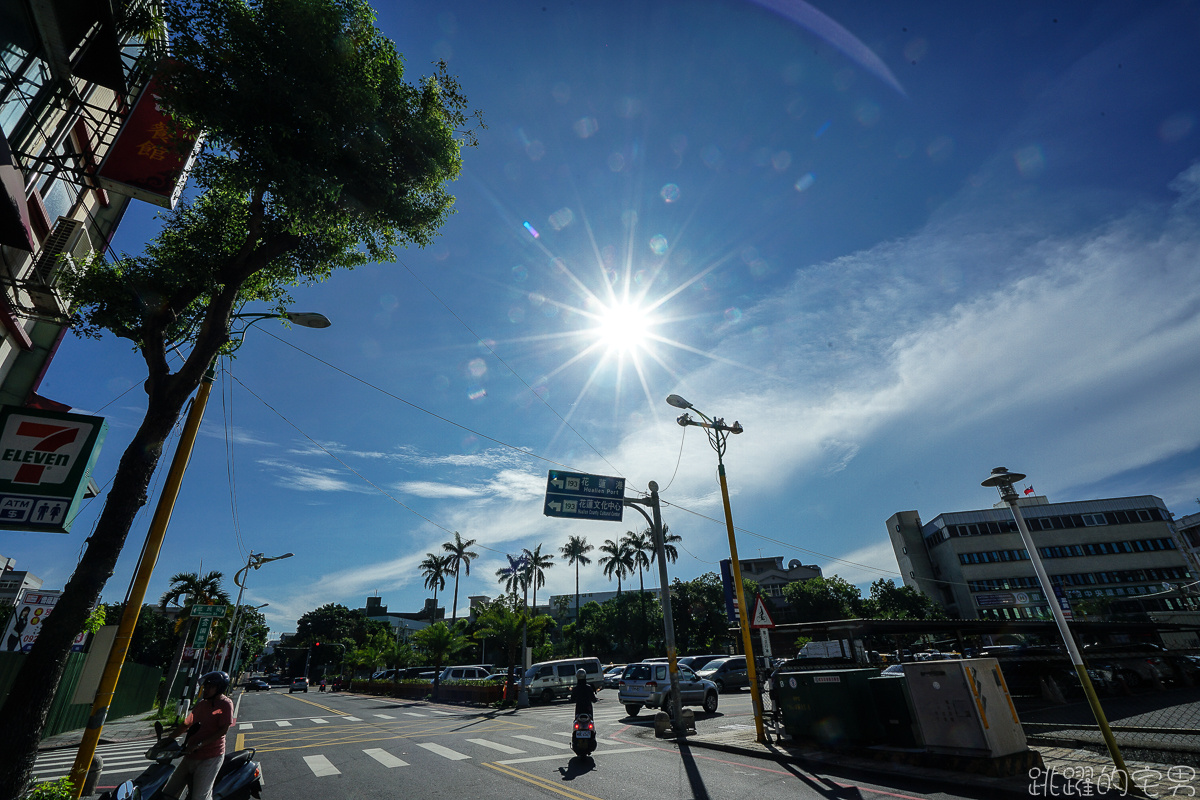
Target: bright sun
623, 327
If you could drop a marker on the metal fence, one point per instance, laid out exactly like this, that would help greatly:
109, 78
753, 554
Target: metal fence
135, 692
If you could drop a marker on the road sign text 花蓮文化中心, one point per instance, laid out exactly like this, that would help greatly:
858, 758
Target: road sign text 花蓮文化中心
580, 496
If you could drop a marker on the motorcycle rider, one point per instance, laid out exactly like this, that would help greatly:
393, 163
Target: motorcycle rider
583, 693
204, 747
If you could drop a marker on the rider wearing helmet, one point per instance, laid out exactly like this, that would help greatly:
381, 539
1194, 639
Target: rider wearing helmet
584, 694
204, 746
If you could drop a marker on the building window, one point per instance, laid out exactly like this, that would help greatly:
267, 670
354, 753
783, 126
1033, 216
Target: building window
1094, 519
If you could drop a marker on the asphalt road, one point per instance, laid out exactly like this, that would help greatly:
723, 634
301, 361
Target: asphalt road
336, 745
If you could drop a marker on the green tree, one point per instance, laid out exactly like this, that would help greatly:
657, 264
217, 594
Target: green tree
434, 569
318, 156
504, 620
617, 560
154, 639
670, 551
513, 577
331, 623
888, 601
820, 599
458, 559
536, 564
640, 546
193, 590
439, 643
575, 551
698, 609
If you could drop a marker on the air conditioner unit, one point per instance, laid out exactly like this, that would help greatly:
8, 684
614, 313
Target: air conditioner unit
66, 248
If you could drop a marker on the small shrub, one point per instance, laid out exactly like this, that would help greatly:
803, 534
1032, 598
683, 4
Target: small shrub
61, 789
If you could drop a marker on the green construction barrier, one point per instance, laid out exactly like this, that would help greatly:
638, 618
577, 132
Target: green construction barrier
834, 707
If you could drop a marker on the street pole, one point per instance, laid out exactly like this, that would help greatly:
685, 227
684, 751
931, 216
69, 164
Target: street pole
1003, 480
718, 434
137, 591
255, 561
664, 594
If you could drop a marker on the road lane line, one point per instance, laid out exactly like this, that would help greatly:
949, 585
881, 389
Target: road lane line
246, 726
319, 721
444, 752
283, 723
385, 716
541, 783
321, 766
352, 719
240, 742
443, 713
503, 748
385, 758
546, 742
413, 714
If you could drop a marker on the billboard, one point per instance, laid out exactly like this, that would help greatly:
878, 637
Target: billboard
46, 458
152, 154
33, 608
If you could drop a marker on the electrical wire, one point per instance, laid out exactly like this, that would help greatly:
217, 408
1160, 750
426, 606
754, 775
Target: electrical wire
230, 467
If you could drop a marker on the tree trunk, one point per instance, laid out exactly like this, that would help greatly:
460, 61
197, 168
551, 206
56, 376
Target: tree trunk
176, 663
577, 645
32, 691
454, 611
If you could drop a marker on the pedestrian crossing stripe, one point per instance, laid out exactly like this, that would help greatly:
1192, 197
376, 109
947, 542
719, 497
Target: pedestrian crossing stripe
385, 758
385, 716
546, 742
503, 748
321, 766
444, 752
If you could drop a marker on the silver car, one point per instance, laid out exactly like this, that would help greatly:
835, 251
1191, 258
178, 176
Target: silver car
647, 684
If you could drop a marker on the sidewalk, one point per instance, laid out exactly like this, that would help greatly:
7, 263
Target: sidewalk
1062, 766
125, 729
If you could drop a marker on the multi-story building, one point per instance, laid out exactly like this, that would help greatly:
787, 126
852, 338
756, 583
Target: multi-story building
69, 75
13, 580
1114, 556
771, 575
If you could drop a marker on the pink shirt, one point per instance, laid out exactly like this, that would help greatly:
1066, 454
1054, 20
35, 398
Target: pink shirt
214, 716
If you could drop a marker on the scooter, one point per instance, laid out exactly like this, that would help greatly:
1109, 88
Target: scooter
239, 778
583, 736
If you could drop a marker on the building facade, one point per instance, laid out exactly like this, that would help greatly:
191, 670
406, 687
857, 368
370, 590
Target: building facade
13, 581
771, 575
69, 73
1117, 556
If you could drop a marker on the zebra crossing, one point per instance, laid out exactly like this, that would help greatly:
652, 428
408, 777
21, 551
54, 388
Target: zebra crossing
119, 757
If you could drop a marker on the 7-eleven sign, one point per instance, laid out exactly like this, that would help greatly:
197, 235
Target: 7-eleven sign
761, 617
46, 458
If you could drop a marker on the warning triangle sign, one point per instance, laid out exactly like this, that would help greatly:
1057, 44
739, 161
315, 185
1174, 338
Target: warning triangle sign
761, 618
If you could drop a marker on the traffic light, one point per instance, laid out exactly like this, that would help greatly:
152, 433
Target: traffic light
316, 644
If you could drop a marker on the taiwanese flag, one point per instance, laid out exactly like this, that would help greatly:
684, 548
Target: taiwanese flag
1028, 490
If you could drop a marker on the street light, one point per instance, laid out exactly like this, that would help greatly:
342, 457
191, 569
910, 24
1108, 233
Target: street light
255, 561
1003, 480
150, 551
718, 434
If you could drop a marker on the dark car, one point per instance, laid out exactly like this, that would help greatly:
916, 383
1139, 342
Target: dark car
698, 663
1137, 664
257, 685
727, 673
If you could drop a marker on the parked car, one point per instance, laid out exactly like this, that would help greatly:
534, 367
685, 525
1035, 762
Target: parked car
1137, 664
257, 685
697, 663
476, 673
726, 673
549, 679
612, 676
298, 685
647, 684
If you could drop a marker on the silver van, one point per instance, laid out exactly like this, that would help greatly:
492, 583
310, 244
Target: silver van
549, 679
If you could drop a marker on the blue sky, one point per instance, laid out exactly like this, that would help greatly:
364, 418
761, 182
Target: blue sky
902, 243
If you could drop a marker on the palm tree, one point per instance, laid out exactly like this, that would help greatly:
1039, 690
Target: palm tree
617, 560
433, 568
640, 547
512, 576
459, 557
536, 564
575, 552
503, 620
194, 590
670, 551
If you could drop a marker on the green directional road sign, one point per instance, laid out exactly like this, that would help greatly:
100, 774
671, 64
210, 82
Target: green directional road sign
202, 633
580, 496
208, 611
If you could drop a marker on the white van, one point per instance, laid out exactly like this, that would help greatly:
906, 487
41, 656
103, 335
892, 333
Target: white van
549, 679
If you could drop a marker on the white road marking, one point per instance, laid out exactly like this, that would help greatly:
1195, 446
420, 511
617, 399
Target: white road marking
443, 713
597, 754
412, 714
546, 742
319, 721
385, 758
321, 766
385, 716
352, 719
283, 723
245, 726
444, 752
503, 748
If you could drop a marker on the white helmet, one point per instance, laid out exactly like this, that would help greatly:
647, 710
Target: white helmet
580, 675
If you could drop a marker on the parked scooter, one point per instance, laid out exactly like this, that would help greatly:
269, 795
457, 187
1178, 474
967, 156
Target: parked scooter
583, 736
239, 778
